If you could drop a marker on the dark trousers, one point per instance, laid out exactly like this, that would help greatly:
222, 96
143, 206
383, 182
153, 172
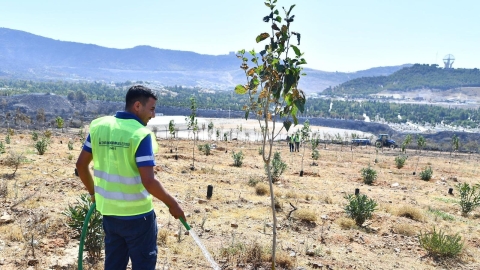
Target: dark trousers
297, 146
291, 147
135, 239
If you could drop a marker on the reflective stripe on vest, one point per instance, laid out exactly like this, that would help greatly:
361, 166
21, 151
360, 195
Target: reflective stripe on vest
118, 186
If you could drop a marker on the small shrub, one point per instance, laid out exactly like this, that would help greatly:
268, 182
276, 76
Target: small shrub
162, 237
405, 229
315, 154
400, 161
346, 223
11, 132
7, 139
237, 158
14, 160
261, 189
70, 157
410, 212
253, 181
277, 166
76, 215
369, 175
47, 134
440, 244
2, 148
260, 151
70, 145
426, 174
41, 146
469, 197
360, 208
306, 215
291, 195
34, 136
284, 261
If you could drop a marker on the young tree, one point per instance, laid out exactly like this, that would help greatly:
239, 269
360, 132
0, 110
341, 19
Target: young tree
272, 87
305, 137
59, 121
193, 125
455, 144
210, 130
171, 130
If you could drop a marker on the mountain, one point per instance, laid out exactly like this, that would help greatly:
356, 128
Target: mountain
28, 56
409, 79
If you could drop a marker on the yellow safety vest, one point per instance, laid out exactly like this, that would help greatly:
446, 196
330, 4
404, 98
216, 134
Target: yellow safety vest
118, 186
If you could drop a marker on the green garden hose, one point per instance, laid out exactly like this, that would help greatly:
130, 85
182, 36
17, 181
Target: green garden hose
84, 232
82, 237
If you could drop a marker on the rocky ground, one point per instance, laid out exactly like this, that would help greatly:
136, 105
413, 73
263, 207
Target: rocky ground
236, 220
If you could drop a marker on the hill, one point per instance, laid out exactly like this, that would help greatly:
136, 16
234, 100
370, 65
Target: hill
27, 56
411, 78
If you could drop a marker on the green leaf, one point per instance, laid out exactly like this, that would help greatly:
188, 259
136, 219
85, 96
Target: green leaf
297, 51
287, 124
240, 89
289, 99
278, 19
294, 117
291, 7
262, 37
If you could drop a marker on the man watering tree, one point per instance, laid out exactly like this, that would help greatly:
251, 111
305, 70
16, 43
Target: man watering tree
123, 183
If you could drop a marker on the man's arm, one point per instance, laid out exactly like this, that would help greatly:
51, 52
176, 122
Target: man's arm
84, 173
155, 188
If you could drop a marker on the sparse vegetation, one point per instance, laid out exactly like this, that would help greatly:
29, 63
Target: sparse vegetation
400, 161
305, 214
469, 197
410, 212
41, 146
76, 215
278, 166
441, 244
360, 208
14, 160
237, 158
426, 174
261, 189
369, 175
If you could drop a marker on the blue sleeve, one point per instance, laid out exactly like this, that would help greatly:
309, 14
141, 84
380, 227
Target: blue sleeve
144, 155
87, 146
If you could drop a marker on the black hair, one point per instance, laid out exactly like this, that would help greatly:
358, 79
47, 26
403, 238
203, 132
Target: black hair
138, 93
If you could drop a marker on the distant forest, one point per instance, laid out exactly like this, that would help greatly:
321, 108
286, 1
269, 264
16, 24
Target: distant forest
177, 96
415, 77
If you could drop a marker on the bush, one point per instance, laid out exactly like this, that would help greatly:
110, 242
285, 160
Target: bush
237, 158
306, 215
360, 208
261, 189
76, 216
469, 197
426, 174
346, 223
253, 181
439, 244
7, 139
315, 154
410, 212
400, 161
2, 148
34, 136
14, 160
260, 151
369, 175
278, 167
47, 134
70, 145
205, 148
41, 146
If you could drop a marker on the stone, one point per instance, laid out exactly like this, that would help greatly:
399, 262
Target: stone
310, 252
6, 218
234, 225
202, 201
395, 184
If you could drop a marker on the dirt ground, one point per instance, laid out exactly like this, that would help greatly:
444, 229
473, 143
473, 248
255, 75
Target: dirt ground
317, 235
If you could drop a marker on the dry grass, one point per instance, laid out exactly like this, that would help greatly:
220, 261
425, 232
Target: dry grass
410, 212
261, 189
236, 215
346, 223
307, 215
405, 229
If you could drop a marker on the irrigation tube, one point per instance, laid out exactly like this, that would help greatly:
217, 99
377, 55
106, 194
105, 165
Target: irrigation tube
82, 237
84, 232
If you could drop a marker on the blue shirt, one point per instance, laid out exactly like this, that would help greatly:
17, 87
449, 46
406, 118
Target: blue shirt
144, 156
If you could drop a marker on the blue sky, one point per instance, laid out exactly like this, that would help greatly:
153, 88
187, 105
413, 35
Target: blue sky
337, 35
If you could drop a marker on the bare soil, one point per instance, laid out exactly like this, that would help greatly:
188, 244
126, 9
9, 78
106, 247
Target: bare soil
318, 235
